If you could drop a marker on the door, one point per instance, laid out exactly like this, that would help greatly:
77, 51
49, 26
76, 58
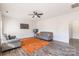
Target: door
0, 30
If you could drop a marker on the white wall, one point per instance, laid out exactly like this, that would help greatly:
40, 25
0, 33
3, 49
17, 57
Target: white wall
57, 26
74, 21
75, 29
60, 26
12, 26
0, 25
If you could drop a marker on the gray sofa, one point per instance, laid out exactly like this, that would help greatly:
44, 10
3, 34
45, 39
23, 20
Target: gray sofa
45, 35
9, 44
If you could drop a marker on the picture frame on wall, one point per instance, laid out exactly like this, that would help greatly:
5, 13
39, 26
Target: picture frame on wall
24, 26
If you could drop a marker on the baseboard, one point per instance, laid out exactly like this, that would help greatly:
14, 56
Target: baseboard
75, 38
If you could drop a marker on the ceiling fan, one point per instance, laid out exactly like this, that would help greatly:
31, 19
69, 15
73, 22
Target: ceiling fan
35, 13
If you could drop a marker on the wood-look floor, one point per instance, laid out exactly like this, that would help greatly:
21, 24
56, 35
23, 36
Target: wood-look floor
74, 42
54, 48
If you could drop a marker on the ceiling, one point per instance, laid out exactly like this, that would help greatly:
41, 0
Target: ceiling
21, 10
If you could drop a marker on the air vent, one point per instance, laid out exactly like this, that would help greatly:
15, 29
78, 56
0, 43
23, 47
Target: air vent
75, 5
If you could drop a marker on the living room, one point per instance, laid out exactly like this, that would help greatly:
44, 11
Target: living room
21, 20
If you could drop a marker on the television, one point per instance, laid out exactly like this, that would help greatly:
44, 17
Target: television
24, 26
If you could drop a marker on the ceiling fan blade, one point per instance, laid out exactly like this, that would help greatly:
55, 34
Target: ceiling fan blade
40, 14
33, 16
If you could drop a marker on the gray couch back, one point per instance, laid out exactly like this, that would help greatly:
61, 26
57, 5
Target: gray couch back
45, 35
